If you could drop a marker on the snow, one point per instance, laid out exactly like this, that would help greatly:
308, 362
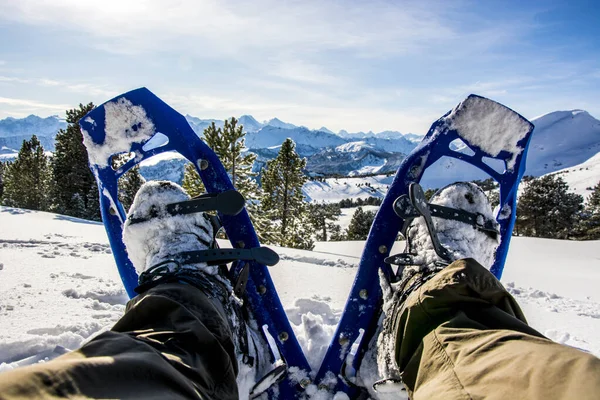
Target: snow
162, 157
124, 124
460, 239
490, 126
59, 287
164, 236
333, 190
582, 177
562, 139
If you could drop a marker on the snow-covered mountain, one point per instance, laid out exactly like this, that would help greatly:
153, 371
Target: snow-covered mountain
277, 123
562, 139
31, 125
199, 125
370, 134
271, 136
249, 123
14, 130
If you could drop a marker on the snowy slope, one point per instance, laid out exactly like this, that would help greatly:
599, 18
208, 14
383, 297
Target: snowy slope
581, 178
336, 189
59, 286
562, 139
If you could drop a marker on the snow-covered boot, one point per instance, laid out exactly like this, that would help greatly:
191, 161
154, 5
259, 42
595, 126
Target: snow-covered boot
169, 241
457, 223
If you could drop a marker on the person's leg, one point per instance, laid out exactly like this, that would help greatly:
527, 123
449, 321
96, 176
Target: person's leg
462, 336
173, 343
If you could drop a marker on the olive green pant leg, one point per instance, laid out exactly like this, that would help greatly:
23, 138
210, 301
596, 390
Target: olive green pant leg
462, 336
172, 343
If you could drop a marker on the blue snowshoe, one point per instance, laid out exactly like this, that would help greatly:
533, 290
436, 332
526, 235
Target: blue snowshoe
141, 124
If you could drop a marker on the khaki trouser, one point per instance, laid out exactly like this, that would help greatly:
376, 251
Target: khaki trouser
460, 336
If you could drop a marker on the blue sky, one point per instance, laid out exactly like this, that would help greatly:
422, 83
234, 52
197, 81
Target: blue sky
354, 65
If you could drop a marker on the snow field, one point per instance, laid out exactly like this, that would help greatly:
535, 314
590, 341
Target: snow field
59, 287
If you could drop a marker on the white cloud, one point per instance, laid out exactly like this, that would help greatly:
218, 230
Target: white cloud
233, 27
32, 104
13, 79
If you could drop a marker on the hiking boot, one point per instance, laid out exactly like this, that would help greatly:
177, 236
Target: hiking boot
159, 243
457, 223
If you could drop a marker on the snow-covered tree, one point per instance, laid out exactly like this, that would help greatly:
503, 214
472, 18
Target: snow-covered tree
336, 234
547, 209
228, 143
282, 181
71, 174
322, 217
27, 178
589, 227
360, 224
2, 172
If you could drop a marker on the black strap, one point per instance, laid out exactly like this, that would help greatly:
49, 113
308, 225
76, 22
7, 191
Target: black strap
240, 283
262, 255
418, 201
229, 202
404, 208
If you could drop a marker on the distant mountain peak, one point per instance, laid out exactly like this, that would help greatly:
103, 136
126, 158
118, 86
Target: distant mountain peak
277, 123
324, 129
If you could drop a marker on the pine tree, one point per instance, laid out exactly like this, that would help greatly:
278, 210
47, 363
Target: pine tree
228, 143
129, 183
2, 172
282, 182
192, 183
78, 206
360, 224
336, 234
322, 217
27, 178
547, 209
71, 174
590, 223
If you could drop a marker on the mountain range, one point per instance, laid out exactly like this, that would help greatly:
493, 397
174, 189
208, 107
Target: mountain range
561, 139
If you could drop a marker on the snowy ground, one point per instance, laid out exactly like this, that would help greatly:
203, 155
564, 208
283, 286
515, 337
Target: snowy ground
59, 286
336, 189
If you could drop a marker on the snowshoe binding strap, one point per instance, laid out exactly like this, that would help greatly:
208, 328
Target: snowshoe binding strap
277, 373
418, 201
404, 208
262, 255
230, 202
414, 205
